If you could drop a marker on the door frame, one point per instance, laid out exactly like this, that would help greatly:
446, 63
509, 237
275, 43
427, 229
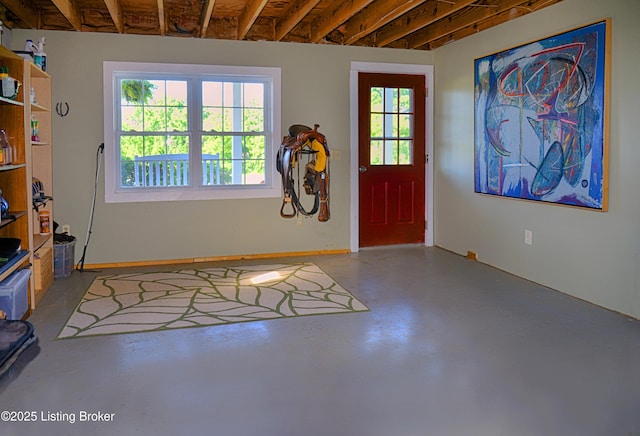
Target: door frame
372, 67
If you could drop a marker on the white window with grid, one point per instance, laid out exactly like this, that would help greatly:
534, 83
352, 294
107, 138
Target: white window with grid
190, 132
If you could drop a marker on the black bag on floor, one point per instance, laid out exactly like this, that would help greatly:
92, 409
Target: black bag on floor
15, 337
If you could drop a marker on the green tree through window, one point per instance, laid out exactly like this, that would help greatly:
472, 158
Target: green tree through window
176, 132
155, 122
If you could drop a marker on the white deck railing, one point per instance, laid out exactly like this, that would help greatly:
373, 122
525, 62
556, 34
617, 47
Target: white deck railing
173, 170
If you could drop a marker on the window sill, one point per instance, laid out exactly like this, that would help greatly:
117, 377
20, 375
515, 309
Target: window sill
137, 195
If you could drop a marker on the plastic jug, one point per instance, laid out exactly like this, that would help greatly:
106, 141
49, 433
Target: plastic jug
39, 56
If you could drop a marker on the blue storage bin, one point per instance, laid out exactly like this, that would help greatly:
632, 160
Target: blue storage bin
14, 294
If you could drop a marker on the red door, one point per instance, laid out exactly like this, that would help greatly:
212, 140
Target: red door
391, 141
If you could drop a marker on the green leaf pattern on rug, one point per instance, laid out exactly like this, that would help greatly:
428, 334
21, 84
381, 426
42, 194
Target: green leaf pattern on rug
136, 302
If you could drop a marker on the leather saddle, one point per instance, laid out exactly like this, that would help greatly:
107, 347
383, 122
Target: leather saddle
303, 140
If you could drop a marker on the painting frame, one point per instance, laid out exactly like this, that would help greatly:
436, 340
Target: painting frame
541, 119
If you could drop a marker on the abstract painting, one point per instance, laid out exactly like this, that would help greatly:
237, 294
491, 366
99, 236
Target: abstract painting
541, 119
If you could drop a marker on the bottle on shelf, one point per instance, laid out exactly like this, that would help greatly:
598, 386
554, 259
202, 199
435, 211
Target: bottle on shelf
39, 56
42, 54
35, 129
44, 217
5, 148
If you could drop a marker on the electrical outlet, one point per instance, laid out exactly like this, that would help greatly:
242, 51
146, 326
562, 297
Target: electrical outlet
528, 237
66, 228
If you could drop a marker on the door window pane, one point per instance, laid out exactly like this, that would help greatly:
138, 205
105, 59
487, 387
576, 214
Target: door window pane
376, 153
391, 128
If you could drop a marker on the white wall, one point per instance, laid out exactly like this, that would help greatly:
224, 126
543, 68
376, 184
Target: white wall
591, 255
594, 256
315, 89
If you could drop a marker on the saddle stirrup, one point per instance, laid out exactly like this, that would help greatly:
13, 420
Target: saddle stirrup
293, 208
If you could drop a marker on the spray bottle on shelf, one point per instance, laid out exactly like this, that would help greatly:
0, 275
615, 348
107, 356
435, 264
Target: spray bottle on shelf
39, 56
42, 54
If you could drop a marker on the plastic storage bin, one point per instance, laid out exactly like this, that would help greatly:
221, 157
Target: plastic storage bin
14, 296
63, 257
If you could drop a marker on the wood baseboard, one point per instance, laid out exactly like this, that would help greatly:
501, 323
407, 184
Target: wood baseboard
214, 259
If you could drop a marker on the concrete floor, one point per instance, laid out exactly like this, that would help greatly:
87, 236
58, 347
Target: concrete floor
450, 347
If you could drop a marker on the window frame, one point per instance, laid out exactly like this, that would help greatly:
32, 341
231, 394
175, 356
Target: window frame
112, 70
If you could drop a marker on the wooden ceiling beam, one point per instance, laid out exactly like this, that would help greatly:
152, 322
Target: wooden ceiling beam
343, 10
162, 20
249, 16
494, 20
115, 10
28, 15
368, 21
205, 17
465, 19
292, 16
417, 19
412, 24
470, 30
70, 12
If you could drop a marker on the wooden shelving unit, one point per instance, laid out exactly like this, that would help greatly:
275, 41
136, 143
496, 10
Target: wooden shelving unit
41, 168
15, 176
30, 159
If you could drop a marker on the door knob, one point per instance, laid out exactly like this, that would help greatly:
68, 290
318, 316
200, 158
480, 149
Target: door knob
362, 169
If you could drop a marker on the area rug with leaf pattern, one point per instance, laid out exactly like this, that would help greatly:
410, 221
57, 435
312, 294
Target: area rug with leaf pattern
153, 301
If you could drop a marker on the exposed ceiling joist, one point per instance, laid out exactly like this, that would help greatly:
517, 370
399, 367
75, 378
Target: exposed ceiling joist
466, 18
417, 19
116, 14
410, 24
490, 22
249, 16
342, 12
70, 12
292, 16
370, 20
162, 21
28, 15
205, 17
